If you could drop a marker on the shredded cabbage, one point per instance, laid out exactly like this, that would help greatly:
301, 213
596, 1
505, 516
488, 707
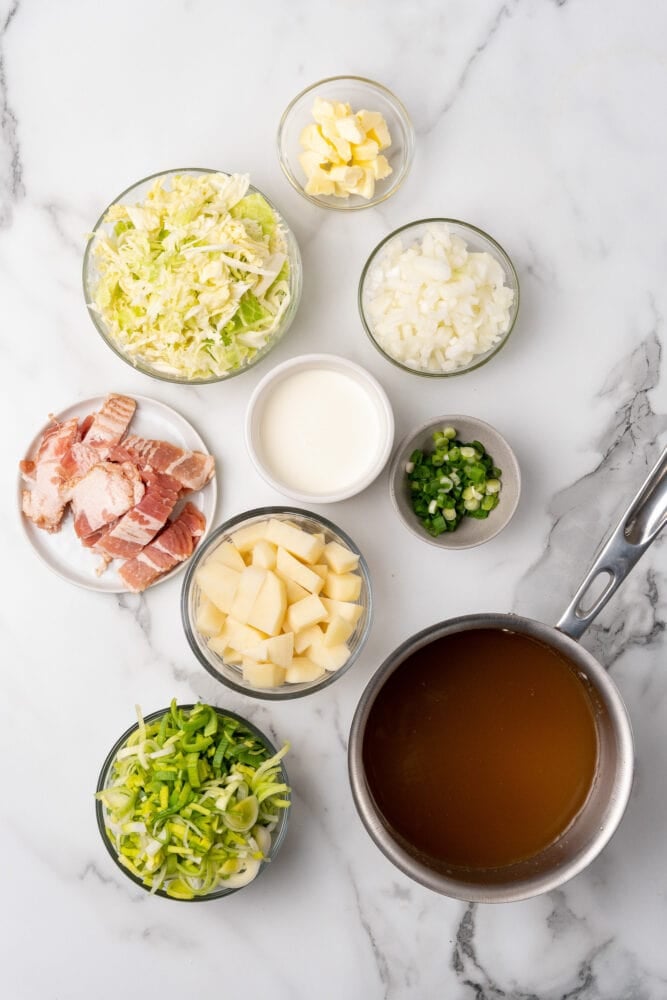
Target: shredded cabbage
435, 306
194, 280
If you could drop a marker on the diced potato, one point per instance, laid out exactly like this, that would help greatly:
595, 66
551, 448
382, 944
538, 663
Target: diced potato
299, 543
240, 636
219, 583
290, 568
304, 639
249, 587
268, 611
329, 657
304, 613
303, 670
339, 559
264, 555
208, 619
247, 537
228, 555
320, 536
338, 631
219, 645
342, 587
263, 675
278, 649
350, 612
321, 569
295, 592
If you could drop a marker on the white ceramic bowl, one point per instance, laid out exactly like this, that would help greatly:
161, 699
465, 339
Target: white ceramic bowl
256, 414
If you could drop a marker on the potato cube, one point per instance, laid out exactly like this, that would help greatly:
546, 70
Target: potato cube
342, 587
208, 619
329, 657
219, 583
247, 537
264, 555
268, 611
304, 613
289, 567
263, 675
338, 631
249, 587
304, 639
320, 537
303, 670
339, 559
228, 555
218, 645
277, 649
240, 636
350, 612
295, 592
300, 543
321, 569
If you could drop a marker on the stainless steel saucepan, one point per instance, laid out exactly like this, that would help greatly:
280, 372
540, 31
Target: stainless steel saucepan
602, 812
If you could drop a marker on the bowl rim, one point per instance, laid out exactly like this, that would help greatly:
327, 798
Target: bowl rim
280, 830
332, 361
287, 692
504, 259
403, 114
395, 471
296, 283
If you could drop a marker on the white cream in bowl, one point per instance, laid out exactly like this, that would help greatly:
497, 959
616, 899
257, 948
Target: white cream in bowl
319, 428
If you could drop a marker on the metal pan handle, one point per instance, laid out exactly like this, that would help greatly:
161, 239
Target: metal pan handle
638, 527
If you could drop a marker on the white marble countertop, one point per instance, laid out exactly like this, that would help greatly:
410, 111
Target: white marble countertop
543, 123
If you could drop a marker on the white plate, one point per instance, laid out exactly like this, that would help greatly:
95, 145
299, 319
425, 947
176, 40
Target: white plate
62, 552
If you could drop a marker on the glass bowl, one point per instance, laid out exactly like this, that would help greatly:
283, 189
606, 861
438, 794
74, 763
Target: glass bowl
476, 241
359, 93
277, 836
136, 194
230, 674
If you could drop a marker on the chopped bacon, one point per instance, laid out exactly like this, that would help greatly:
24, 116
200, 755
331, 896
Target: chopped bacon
172, 546
141, 524
99, 433
106, 492
45, 502
193, 469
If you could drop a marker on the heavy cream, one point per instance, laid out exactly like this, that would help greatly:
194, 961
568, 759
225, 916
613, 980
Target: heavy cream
320, 431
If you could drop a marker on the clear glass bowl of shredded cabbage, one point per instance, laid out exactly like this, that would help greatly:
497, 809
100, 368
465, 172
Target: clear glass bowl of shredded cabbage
438, 297
192, 275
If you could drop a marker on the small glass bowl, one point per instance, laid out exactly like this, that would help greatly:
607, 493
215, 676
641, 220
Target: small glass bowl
230, 674
277, 836
476, 241
137, 193
360, 93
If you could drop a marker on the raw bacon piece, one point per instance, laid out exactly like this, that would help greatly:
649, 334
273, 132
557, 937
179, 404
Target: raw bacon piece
45, 502
99, 433
107, 491
193, 469
141, 524
172, 546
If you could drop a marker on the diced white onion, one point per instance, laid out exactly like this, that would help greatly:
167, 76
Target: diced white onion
435, 306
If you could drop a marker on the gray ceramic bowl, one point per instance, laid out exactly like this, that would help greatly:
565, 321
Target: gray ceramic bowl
470, 531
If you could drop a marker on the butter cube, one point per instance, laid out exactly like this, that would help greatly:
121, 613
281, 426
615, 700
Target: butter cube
381, 168
319, 182
350, 129
312, 139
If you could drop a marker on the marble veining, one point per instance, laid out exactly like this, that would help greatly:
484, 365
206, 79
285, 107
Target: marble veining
539, 122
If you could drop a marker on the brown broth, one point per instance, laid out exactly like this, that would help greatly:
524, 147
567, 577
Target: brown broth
481, 748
